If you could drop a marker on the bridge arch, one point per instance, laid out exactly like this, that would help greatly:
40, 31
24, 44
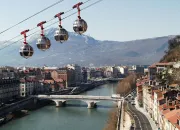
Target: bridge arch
62, 102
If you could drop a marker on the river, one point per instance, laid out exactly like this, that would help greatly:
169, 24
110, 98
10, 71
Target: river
75, 116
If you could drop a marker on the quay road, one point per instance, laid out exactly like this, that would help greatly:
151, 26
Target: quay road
141, 121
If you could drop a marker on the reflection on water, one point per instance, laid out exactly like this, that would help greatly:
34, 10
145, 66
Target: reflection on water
74, 116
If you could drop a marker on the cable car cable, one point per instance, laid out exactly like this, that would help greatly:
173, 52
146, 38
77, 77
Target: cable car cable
36, 26
31, 16
52, 24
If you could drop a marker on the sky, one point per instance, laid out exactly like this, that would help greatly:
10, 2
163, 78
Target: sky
117, 20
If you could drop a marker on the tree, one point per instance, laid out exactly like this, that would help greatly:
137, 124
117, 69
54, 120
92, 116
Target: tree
173, 53
174, 42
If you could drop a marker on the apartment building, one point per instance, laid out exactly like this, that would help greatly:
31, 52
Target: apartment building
9, 89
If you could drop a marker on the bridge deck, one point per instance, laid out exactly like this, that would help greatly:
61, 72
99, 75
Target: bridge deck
78, 97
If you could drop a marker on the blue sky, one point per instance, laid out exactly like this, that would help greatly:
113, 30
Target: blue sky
119, 20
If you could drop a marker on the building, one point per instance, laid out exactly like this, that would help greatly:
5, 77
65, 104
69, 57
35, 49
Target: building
65, 77
9, 89
26, 87
85, 74
78, 74
156, 68
7, 72
123, 70
162, 66
116, 72
162, 103
139, 93
146, 98
96, 73
139, 69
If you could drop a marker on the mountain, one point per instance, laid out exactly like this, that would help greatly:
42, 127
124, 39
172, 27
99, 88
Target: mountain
85, 50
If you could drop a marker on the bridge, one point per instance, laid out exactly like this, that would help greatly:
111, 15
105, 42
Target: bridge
91, 101
115, 79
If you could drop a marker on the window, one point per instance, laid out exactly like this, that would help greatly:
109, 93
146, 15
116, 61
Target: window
22, 94
178, 122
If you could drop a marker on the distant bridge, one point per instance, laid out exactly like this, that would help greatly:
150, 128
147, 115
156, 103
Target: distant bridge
90, 100
115, 79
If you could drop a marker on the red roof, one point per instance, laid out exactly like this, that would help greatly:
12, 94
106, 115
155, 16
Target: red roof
138, 84
159, 63
173, 116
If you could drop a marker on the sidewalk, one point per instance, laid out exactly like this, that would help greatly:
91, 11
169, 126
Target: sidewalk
153, 125
127, 122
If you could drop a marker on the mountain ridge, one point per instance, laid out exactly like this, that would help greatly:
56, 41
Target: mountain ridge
86, 50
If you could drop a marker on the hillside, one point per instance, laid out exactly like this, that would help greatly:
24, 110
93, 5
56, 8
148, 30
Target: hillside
86, 50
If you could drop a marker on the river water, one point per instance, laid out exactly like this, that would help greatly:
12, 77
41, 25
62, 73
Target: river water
75, 116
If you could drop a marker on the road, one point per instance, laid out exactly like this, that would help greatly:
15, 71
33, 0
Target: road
141, 121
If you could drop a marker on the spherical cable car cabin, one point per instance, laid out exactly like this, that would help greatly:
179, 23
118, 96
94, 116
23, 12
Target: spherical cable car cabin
26, 50
79, 26
43, 43
61, 35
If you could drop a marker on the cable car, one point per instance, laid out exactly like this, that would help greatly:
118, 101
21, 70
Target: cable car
61, 35
79, 26
43, 43
26, 50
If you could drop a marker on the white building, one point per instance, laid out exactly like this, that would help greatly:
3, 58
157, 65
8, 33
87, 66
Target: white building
26, 87
123, 70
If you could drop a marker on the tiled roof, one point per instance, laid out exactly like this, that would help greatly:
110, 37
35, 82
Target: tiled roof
172, 116
165, 111
165, 63
156, 90
138, 84
152, 66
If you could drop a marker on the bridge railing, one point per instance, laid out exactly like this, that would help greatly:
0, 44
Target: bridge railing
85, 97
